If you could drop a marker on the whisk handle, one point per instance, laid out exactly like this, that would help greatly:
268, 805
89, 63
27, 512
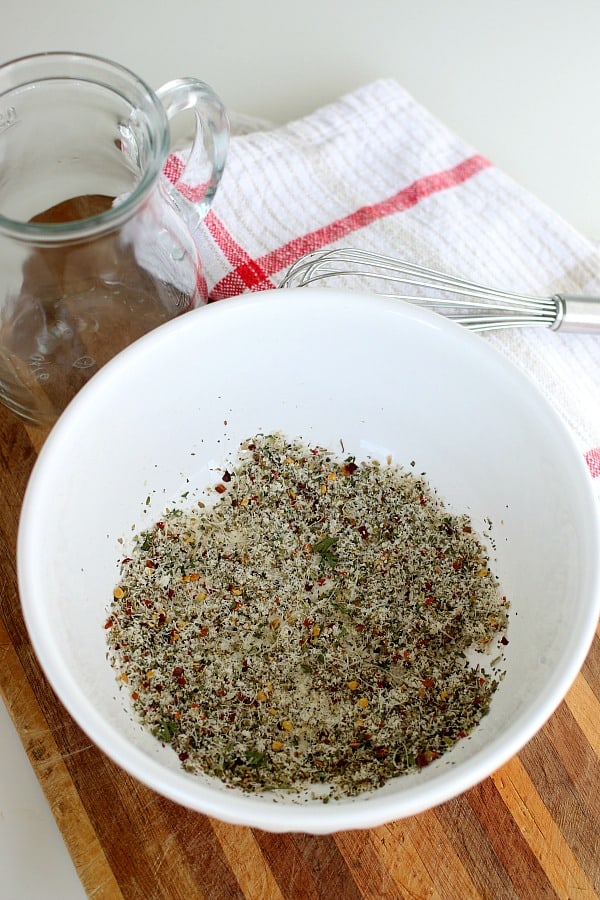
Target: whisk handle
576, 313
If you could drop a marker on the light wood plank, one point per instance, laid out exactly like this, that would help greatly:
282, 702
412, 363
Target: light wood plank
585, 709
247, 863
541, 832
435, 865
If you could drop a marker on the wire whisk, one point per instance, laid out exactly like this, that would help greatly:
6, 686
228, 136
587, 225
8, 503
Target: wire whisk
476, 306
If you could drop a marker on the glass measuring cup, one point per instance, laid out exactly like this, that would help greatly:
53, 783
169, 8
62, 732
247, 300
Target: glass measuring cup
97, 246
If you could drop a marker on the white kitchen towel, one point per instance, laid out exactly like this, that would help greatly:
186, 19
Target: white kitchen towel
377, 171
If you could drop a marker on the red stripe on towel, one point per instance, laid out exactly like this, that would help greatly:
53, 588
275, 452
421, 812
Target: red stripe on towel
255, 274
247, 273
173, 168
592, 458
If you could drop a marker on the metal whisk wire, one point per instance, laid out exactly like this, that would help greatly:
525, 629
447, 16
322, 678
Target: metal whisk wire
476, 306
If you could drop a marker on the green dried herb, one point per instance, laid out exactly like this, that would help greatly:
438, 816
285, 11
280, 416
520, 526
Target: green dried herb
165, 731
323, 548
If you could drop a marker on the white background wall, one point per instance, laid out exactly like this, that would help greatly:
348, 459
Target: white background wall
518, 79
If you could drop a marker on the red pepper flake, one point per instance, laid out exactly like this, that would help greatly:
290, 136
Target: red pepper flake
220, 488
429, 601
226, 476
504, 640
183, 756
135, 695
428, 682
349, 468
179, 676
109, 623
204, 631
150, 564
423, 759
363, 532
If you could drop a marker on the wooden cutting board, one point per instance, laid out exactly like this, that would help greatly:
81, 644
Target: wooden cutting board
532, 830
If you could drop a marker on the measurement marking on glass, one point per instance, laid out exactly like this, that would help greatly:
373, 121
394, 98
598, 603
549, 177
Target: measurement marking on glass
8, 118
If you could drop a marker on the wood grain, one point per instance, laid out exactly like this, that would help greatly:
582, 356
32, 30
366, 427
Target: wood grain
532, 830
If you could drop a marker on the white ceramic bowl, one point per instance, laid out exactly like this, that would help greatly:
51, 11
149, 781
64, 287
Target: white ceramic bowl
384, 377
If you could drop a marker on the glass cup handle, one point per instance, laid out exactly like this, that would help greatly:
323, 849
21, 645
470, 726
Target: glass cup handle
198, 182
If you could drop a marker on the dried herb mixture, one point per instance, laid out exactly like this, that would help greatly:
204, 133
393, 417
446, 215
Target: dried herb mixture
311, 627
